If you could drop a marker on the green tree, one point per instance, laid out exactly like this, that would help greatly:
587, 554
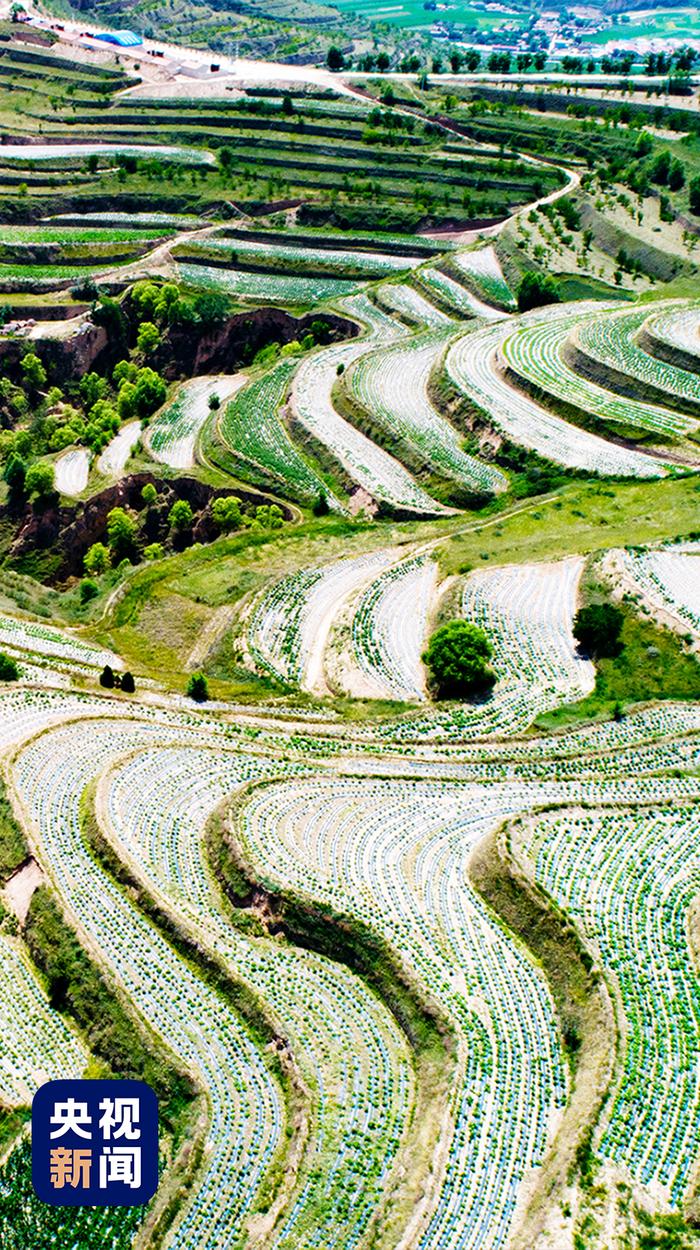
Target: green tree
33, 371
127, 683
8, 669
694, 196
108, 314
597, 629
150, 392
154, 551
97, 559
180, 516
126, 401
149, 494
39, 482
107, 677
15, 474
535, 290
198, 688
121, 533
335, 59
148, 337
457, 659
214, 402
226, 512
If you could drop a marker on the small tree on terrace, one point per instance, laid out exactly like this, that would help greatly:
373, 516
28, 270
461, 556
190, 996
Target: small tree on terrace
107, 677
197, 688
8, 669
597, 629
335, 59
457, 659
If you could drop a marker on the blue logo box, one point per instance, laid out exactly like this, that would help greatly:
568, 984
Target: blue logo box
95, 1143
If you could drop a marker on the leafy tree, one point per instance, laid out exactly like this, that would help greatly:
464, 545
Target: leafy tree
198, 688
150, 392
694, 196
108, 314
457, 658
180, 516
8, 669
383, 62
676, 176
127, 683
226, 512
92, 387
597, 629
126, 401
148, 337
149, 494
39, 482
97, 560
535, 290
154, 551
88, 590
124, 371
107, 677
15, 474
287, 104
335, 59
121, 533
214, 402
33, 371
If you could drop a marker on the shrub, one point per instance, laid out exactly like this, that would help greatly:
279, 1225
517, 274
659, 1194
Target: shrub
154, 551
198, 688
320, 505
88, 590
597, 629
8, 668
457, 658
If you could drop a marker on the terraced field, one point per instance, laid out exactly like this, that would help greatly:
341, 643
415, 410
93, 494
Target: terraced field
472, 365
482, 271
409, 972
173, 434
256, 439
379, 829
391, 385
366, 464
